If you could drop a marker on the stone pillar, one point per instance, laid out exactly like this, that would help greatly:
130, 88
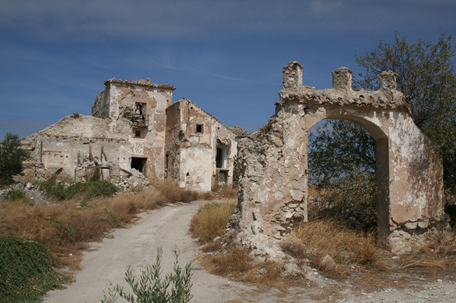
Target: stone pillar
292, 75
342, 79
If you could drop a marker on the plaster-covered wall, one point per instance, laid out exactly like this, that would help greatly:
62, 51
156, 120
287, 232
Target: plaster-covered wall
273, 187
191, 146
74, 139
121, 97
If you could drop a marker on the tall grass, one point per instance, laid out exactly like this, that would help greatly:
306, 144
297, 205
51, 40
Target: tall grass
229, 259
326, 240
66, 226
210, 221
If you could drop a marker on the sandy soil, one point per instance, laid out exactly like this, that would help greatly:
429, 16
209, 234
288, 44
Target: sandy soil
168, 228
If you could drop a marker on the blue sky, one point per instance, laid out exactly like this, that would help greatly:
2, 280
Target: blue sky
226, 56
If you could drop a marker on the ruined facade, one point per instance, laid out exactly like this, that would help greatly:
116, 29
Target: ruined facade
127, 130
273, 187
195, 140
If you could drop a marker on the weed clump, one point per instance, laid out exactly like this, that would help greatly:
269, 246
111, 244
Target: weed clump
26, 268
16, 195
174, 193
330, 246
210, 221
87, 190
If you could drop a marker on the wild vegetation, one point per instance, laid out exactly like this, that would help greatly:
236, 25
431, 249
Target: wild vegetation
151, 287
11, 158
210, 221
342, 154
73, 216
27, 271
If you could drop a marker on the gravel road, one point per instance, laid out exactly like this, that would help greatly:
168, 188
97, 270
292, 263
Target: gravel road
168, 228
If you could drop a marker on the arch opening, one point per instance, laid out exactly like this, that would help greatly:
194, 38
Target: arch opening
354, 152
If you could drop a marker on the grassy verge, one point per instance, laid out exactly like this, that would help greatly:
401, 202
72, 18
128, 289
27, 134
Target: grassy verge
327, 245
210, 221
82, 213
229, 259
338, 251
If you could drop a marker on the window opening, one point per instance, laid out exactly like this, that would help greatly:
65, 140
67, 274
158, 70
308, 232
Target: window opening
139, 116
140, 132
139, 164
221, 158
199, 128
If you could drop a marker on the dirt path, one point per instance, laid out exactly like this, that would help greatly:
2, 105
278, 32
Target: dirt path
167, 228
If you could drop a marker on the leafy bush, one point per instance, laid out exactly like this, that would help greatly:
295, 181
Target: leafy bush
351, 200
16, 195
93, 189
151, 287
53, 189
26, 270
89, 190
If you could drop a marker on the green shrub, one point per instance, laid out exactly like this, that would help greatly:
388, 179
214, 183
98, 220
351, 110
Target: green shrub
351, 200
16, 195
151, 287
96, 175
26, 270
89, 190
53, 189
11, 158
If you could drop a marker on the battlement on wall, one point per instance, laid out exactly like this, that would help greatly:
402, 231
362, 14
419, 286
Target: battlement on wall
341, 93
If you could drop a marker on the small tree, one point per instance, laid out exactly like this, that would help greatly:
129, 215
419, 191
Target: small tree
152, 288
11, 157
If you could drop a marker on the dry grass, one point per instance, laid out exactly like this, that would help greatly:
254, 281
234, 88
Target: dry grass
352, 250
67, 226
210, 220
226, 192
229, 259
238, 264
319, 239
174, 193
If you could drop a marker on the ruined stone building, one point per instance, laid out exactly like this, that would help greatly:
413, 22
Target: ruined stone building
273, 189
134, 125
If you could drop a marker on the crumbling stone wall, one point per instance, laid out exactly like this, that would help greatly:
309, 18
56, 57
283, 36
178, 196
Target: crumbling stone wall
192, 139
73, 148
118, 103
273, 186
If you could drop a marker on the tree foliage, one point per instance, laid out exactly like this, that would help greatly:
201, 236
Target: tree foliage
338, 149
341, 150
342, 161
425, 74
11, 157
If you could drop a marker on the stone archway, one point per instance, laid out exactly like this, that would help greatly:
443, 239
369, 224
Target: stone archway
273, 185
